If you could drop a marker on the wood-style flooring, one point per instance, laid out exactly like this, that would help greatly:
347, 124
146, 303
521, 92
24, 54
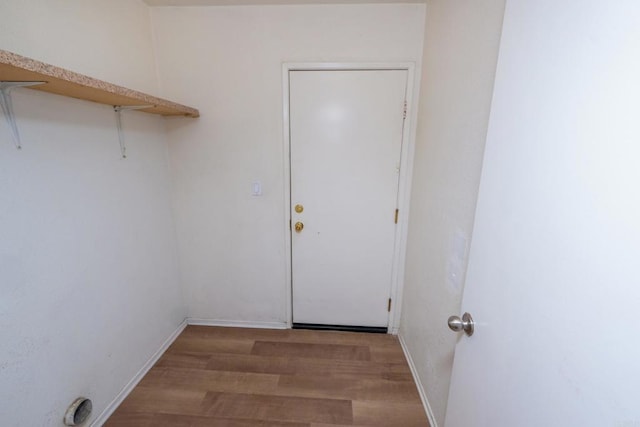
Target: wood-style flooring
234, 377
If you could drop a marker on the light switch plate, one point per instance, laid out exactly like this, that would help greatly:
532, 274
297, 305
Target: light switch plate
256, 188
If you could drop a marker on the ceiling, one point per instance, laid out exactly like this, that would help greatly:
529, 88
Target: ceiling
265, 2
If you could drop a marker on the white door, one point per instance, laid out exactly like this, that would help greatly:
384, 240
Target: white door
553, 280
346, 136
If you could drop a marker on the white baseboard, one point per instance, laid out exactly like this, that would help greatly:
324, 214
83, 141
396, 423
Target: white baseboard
237, 323
111, 407
416, 378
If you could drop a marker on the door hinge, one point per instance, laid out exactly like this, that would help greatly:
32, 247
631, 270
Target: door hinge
395, 218
389, 305
404, 110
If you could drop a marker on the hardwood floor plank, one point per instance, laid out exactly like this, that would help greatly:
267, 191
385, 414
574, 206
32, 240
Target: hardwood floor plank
128, 419
339, 337
391, 414
173, 420
388, 354
170, 420
276, 408
193, 344
298, 366
177, 359
251, 363
353, 389
351, 369
200, 379
313, 351
251, 334
341, 425
163, 400
291, 335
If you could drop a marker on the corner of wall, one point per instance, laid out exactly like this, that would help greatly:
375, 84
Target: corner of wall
458, 69
128, 388
421, 389
154, 50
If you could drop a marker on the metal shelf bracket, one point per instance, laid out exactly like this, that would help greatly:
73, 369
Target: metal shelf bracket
118, 110
7, 107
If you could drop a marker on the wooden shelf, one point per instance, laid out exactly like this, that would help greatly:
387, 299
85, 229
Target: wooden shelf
14, 67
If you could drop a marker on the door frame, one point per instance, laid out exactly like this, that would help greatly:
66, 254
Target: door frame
404, 180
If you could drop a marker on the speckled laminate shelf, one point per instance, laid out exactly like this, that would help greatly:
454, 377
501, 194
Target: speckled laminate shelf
14, 67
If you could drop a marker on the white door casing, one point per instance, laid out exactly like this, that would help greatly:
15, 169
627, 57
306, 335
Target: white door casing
552, 281
347, 189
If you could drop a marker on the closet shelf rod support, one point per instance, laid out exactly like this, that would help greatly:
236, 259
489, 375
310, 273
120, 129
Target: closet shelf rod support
7, 107
118, 110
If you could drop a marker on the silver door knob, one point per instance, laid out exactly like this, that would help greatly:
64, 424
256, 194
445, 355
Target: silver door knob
465, 324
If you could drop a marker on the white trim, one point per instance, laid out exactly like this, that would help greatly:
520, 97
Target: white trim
327, 66
288, 285
237, 323
404, 187
111, 407
416, 379
404, 197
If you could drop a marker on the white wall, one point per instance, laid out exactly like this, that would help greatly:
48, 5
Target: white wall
107, 40
88, 273
460, 54
232, 245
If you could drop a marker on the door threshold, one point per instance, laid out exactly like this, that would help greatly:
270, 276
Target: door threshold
343, 328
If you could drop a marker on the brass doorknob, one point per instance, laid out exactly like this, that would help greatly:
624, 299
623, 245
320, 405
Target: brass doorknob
298, 226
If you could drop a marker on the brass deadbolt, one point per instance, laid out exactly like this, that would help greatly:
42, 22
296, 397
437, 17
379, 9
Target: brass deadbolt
299, 208
298, 227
